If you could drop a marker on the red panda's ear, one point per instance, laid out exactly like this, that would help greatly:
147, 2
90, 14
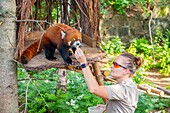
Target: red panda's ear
63, 34
80, 29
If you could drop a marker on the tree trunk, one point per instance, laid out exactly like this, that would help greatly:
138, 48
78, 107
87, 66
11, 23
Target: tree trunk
62, 73
8, 76
89, 14
62, 81
64, 7
48, 12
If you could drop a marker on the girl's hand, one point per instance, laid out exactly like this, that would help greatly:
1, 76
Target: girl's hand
101, 106
79, 55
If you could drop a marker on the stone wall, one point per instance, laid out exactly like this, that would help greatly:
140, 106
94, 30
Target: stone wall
128, 27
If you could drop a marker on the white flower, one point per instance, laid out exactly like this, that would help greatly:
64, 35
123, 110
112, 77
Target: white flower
23, 81
68, 103
78, 78
73, 102
80, 97
68, 81
46, 81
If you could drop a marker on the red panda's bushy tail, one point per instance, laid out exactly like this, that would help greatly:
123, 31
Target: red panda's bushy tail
30, 52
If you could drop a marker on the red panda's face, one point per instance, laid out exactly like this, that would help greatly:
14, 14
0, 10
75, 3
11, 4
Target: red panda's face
73, 38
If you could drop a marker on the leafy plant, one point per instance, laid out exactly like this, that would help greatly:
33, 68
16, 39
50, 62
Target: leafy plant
141, 47
148, 103
121, 5
77, 98
161, 57
103, 5
113, 46
139, 76
167, 35
47, 99
162, 53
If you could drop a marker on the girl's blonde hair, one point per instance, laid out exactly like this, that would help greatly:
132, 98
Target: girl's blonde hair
134, 62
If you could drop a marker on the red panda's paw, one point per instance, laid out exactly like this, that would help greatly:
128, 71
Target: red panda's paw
73, 49
70, 52
68, 61
24, 60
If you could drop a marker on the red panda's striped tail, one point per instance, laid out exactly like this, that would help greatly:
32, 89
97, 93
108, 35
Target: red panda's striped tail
30, 52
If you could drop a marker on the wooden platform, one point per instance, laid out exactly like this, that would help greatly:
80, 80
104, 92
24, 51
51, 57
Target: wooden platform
39, 62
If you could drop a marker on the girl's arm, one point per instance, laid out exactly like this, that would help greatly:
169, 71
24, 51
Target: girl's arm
91, 82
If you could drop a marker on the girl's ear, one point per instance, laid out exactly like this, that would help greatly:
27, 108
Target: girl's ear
126, 71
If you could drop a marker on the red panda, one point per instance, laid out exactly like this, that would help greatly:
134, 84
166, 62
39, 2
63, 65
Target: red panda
59, 36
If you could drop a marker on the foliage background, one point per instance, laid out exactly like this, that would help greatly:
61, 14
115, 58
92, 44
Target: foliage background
37, 90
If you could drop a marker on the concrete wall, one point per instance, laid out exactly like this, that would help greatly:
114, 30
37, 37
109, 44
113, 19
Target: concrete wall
132, 25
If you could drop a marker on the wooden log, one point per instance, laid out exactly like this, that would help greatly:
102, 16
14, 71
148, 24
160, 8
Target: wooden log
157, 91
110, 80
150, 89
98, 75
164, 96
145, 88
164, 89
105, 72
88, 40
